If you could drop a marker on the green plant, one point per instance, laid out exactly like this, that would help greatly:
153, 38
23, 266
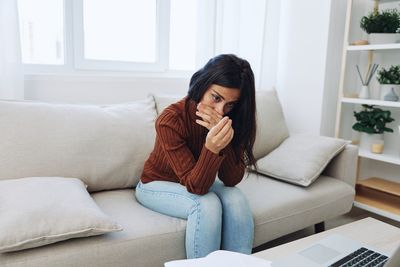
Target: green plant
390, 76
386, 21
372, 120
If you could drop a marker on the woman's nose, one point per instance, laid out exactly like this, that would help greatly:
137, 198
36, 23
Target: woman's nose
220, 108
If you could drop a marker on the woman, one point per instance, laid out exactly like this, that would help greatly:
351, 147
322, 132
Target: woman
211, 131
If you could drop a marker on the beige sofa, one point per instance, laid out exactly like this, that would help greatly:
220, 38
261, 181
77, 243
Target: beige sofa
105, 146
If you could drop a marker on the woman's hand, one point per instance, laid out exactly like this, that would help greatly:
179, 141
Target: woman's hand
209, 116
219, 136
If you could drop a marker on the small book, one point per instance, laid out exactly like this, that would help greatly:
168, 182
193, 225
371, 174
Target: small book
221, 258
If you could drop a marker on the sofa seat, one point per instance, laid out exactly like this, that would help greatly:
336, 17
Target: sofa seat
148, 238
280, 208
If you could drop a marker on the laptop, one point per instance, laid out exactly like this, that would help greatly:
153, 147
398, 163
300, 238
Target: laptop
337, 250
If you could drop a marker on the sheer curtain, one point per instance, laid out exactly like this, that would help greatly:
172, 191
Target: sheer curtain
11, 75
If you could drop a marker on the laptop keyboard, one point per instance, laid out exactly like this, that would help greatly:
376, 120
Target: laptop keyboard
362, 257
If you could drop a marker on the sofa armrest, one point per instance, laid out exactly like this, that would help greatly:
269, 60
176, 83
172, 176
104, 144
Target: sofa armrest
344, 165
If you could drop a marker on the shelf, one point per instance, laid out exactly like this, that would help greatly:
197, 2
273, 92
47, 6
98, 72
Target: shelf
371, 102
388, 156
375, 210
381, 185
386, 1
373, 47
379, 196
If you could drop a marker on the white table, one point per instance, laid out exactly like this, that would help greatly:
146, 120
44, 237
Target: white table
368, 231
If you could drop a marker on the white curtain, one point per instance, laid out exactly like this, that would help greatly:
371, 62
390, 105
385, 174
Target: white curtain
11, 73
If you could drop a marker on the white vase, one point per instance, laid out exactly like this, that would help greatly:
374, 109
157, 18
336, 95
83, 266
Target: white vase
368, 140
386, 88
364, 92
383, 38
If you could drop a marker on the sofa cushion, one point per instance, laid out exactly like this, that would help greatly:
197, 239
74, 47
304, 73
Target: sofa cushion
164, 100
149, 239
271, 125
37, 211
300, 159
104, 146
281, 208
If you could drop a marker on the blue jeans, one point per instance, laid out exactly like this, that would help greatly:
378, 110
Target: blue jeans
220, 219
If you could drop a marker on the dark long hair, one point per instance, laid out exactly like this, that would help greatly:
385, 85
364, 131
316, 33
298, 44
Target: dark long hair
231, 71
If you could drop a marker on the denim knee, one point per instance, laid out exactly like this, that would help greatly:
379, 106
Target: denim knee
210, 206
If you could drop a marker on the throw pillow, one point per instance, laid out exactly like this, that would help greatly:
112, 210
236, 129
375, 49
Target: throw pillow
271, 125
300, 159
37, 211
163, 100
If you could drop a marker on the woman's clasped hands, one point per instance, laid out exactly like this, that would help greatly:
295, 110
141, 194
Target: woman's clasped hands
220, 128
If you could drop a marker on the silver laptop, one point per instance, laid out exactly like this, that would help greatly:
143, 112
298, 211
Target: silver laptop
337, 250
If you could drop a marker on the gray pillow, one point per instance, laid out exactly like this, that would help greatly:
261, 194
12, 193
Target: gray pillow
300, 159
271, 125
37, 211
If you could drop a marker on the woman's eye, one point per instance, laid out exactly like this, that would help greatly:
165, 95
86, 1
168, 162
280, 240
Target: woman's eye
216, 98
230, 105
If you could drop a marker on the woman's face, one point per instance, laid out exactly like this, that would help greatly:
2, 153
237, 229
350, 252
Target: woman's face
221, 99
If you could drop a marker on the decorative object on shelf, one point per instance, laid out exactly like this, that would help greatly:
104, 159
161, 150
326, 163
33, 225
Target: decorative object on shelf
382, 27
377, 145
355, 137
372, 121
364, 92
389, 79
391, 96
360, 42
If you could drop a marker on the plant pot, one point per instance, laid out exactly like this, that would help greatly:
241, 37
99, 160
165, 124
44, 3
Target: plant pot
386, 89
372, 142
383, 38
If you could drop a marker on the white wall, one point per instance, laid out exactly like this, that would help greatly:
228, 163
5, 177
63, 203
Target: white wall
99, 89
337, 21
303, 63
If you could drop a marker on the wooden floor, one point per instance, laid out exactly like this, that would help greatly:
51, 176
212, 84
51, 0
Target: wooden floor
354, 215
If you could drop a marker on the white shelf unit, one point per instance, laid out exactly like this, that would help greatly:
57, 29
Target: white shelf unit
390, 156
372, 47
370, 102
371, 195
381, 212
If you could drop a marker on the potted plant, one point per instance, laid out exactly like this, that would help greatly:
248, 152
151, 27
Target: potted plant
389, 80
371, 122
382, 27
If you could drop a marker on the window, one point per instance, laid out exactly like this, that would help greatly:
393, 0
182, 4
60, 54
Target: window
183, 25
128, 27
42, 31
176, 36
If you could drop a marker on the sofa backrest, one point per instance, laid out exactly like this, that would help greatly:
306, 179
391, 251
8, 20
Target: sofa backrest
271, 125
104, 146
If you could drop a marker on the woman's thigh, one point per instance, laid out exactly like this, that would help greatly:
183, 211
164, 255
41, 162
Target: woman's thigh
172, 199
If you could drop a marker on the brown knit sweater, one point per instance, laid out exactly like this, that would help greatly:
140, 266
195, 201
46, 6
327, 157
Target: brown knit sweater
179, 153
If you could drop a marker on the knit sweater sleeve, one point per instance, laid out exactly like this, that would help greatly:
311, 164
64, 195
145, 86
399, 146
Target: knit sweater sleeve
232, 168
197, 175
